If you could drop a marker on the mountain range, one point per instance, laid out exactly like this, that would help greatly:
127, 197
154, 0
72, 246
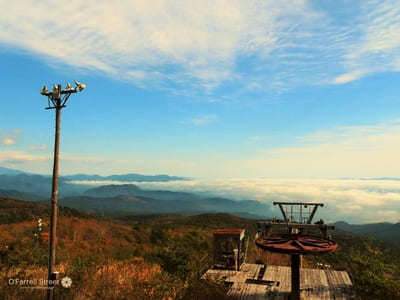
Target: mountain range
86, 177
123, 204
130, 199
8, 171
38, 184
124, 177
113, 190
11, 179
385, 231
121, 199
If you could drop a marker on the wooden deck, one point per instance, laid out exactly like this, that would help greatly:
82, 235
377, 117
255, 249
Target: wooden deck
257, 282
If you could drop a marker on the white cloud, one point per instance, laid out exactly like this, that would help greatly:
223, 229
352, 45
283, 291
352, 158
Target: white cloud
7, 141
354, 201
16, 132
19, 157
348, 77
350, 133
376, 41
191, 43
87, 159
177, 164
37, 148
203, 120
136, 38
346, 151
256, 138
354, 151
10, 137
202, 44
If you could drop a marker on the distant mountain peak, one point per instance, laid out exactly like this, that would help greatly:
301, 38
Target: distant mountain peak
124, 177
9, 171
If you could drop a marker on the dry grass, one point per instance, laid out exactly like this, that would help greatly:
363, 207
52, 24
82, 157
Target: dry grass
133, 279
104, 260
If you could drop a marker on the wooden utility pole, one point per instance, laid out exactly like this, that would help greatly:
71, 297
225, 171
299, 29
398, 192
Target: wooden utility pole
54, 200
56, 100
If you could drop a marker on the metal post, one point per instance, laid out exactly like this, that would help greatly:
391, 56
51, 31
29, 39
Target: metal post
283, 213
54, 198
236, 257
295, 266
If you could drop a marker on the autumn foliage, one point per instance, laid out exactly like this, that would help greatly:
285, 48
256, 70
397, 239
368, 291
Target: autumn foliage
160, 257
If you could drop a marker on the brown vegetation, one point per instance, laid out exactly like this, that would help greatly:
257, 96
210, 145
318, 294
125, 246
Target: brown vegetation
163, 257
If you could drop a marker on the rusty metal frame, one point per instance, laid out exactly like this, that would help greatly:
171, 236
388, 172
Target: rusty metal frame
301, 204
294, 242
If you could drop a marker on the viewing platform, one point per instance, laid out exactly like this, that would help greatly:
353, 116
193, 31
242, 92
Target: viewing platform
257, 281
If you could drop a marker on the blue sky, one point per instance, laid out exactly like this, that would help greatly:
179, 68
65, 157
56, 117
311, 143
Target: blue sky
206, 89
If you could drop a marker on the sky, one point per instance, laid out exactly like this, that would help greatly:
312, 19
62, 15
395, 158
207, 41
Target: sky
204, 89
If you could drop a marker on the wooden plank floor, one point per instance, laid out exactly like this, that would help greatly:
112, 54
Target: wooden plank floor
314, 283
247, 271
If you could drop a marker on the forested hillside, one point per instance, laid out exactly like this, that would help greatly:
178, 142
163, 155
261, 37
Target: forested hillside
388, 232
159, 256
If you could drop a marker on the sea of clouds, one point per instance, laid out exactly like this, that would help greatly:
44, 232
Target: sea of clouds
351, 200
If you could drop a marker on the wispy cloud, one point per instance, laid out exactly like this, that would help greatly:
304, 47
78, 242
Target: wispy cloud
20, 157
70, 162
346, 151
177, 164
9, 137
7, 141
377, 41
202, 120
348, 77
88, 159
161, 41
256, 138
353, 151
16, 132
202, 45
350, 133
37, 148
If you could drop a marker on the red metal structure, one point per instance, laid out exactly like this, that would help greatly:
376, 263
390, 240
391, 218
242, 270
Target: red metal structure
296, 244
295, 241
